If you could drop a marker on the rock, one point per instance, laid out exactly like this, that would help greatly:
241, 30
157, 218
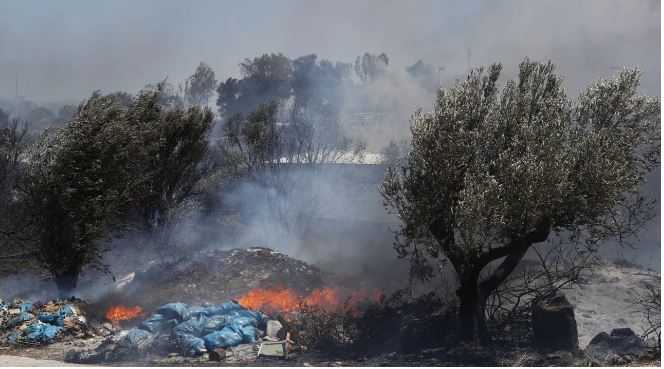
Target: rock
554, 325
621, 341
621, 347
622, 332
274, 329
108, 327
217, 354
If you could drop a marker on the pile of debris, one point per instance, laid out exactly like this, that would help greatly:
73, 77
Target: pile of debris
176, 330
196, 330
25, 322
229, 273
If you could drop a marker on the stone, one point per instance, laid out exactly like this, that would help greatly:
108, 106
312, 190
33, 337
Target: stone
554, 325
274, 329
217, 354
621, 341
108, 327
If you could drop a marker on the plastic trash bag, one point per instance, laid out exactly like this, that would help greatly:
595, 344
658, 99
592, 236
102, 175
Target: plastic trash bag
177, 311
249, 334
191, 345
260, 319
224, 338
215, 323
192, 326
153, 324
197, 311
51, 318
20, 318
41, 332
26, 306
137, 337
223, 308
244, 321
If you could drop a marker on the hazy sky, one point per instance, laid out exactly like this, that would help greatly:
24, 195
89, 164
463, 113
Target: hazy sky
65, 49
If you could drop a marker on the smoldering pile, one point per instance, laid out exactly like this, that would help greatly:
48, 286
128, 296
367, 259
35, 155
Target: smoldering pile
217, 275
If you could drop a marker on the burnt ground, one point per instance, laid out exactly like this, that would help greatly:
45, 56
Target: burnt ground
409, 337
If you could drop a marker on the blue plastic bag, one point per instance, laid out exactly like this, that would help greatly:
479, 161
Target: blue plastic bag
26, 306
41, 332
215, 323
223, 308
244, 321
192, 326
191, 345
224, 338
51, 318
66, 309
197, 311
136, 336
248, 314
177, 311
153, 324
249, 334
20, 318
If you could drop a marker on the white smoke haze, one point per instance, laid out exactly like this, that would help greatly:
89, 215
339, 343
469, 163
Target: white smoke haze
332, 217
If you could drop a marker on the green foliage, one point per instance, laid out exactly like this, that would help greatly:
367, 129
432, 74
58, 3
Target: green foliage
327, 331
265, 78
86, 175
370, 66
488, 167
274, 77
83, 180
180, 163
200, 85
13, 145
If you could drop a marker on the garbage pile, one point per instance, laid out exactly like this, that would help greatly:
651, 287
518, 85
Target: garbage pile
193, 331
25, 322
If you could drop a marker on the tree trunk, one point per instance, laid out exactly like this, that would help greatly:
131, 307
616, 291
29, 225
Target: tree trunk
66, 282
472, 319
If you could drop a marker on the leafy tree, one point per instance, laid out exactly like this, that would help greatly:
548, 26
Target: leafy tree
425, 73
13, 224
180, 163
84, 178
265, 78
492, 173
319, 82
200, 85
4, 118
370, 66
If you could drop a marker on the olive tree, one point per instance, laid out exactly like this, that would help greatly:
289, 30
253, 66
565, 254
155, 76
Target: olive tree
114, 159
83, 177
492, 173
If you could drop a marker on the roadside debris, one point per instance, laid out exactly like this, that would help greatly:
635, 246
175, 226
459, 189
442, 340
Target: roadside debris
194, 331
276, 348
25, 322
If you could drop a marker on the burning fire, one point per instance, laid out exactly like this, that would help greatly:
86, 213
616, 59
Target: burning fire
283, 299
118, 313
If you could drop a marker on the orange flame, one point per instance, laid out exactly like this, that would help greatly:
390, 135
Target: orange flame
118, 313
283, 299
